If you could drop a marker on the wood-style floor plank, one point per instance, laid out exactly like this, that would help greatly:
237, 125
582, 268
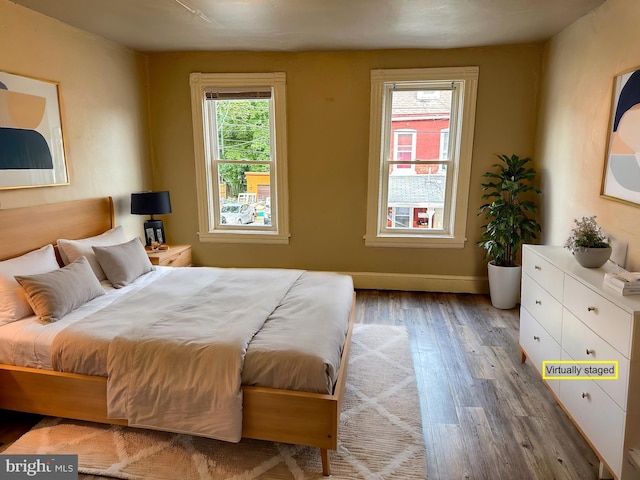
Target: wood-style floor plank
486, 416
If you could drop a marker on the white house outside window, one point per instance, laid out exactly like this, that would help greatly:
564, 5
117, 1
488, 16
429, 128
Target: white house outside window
239, 127
421, 136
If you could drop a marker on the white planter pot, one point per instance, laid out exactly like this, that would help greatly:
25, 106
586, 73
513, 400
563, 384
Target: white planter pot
504, 286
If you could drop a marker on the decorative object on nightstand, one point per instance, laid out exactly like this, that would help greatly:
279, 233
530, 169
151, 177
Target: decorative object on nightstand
589, 245
173, 256
152, 203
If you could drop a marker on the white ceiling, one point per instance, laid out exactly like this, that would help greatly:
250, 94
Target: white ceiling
294, 25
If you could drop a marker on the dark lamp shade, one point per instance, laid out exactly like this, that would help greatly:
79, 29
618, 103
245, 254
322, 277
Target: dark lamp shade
150, 203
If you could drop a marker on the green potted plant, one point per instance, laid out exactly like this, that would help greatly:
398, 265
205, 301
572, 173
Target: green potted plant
510, 213
588, 243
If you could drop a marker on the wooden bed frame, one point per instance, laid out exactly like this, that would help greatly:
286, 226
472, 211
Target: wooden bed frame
268, 414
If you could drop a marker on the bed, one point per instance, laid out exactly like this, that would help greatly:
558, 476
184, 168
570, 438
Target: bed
268, 413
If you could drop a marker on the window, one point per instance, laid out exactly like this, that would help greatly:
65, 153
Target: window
421, 137
239, 131
404, 148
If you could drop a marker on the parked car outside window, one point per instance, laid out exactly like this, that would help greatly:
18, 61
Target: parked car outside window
237, 213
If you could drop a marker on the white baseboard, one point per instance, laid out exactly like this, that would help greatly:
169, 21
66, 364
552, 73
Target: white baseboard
417, 282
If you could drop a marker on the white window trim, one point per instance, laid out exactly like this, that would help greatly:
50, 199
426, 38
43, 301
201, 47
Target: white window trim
200, 83
375, 235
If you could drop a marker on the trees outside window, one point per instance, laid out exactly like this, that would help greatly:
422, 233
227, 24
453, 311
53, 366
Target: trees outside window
240, 145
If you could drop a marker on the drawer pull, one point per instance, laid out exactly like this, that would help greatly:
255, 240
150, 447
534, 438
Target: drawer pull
591, 309
590, 351
537, 267
585, 395
538, 302
535, 337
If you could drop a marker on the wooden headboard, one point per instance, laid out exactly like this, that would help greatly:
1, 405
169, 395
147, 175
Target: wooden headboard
27, 228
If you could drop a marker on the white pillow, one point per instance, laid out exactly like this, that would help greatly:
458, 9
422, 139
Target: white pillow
123, 263
71, 250
52, 295
13, 301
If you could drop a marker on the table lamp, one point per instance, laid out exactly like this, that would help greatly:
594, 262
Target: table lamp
152, 203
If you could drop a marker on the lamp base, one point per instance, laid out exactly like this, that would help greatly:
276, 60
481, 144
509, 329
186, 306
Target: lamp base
154, 232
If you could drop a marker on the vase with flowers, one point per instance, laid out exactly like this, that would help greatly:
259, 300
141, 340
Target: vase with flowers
588, 243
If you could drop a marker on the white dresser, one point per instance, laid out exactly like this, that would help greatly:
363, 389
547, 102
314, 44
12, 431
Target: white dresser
567, 314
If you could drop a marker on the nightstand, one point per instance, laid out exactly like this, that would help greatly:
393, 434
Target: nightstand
176, 256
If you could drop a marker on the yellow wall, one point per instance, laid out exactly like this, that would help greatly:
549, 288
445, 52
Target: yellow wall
328, 135
103, 89
109, 137
117, 144
580, 64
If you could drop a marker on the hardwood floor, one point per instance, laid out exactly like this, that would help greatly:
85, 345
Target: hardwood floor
485, 415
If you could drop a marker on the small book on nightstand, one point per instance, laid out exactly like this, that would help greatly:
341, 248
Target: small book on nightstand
624, 283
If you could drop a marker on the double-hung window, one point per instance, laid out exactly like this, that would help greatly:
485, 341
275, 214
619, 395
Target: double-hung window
421, 138
239, 131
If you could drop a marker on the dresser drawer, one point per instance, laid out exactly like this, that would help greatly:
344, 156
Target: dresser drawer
543, 272
544, 308
601, 420
599, 314
538, 344
577, 339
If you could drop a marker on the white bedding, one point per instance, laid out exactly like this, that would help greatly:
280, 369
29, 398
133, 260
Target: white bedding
298, 344
186, 348
27, 342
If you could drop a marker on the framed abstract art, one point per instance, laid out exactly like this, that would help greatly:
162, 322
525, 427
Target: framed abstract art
32, 151
621, 177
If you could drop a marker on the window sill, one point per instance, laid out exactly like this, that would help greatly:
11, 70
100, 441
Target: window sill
244, 237
414, 241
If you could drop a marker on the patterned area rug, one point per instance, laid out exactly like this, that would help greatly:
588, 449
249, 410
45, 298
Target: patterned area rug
380, 435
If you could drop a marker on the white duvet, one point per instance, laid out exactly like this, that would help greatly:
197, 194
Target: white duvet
27, 342
177, 344
179, 367
174, 346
